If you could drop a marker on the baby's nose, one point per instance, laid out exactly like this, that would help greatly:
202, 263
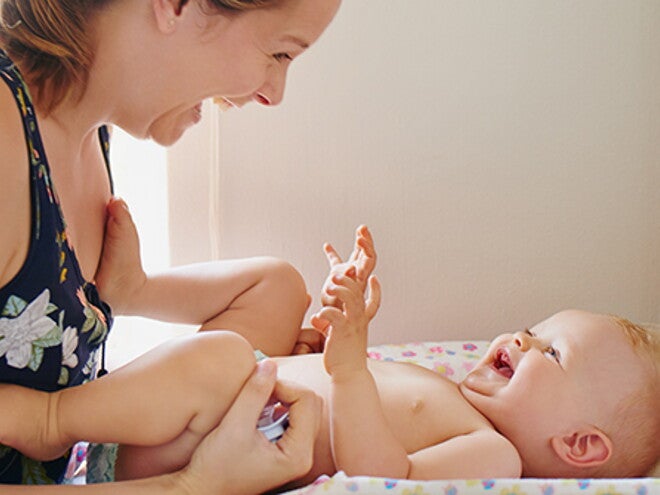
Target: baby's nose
522, 340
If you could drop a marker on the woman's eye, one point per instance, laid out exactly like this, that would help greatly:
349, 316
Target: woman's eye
282, 56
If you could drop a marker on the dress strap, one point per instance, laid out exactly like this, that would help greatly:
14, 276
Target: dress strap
104, 139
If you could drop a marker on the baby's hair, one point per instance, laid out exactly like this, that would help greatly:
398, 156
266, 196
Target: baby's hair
635, 428
641, 338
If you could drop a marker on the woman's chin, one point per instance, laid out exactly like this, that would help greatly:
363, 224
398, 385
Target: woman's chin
168, 136
167, 131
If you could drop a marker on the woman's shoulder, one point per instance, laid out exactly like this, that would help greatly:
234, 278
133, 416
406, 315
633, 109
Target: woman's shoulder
14, 187
13, 155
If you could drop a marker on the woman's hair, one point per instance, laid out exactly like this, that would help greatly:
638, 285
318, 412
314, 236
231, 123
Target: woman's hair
49, 39
236, 5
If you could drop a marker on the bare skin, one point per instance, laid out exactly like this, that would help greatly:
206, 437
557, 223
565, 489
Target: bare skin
379, 418
415, 410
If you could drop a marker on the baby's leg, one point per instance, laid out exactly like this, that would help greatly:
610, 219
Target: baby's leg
269, 310
161, 404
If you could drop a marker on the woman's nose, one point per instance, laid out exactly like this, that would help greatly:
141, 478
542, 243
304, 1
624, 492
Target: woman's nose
272, 91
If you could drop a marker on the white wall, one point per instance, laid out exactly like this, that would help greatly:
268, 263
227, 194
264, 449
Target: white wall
140, 177
506, 155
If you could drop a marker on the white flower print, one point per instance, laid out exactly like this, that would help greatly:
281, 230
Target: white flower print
92, 362
69, 346
18, 334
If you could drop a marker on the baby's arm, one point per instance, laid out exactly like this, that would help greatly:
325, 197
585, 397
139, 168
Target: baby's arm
262, 298
483, 453
361, 439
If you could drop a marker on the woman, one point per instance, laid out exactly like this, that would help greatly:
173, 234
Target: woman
71, 68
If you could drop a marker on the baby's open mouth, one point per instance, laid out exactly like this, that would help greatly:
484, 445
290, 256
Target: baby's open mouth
502, 363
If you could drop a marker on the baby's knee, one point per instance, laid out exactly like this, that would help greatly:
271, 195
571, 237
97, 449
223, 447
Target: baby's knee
284, 280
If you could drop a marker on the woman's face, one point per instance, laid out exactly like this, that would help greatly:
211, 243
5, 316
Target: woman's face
236, 58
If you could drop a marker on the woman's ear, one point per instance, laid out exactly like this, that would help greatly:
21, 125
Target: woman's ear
166, 13
587, 447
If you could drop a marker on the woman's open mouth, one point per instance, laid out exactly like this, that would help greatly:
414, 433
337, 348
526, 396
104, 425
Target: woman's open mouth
502, 363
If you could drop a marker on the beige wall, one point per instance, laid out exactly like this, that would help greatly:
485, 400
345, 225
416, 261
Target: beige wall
506, 155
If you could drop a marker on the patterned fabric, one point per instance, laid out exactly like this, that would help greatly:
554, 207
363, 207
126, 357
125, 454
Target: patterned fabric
101, 461
452, 359
340, 484
52, 322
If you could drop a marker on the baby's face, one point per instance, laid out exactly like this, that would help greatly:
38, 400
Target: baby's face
569, 370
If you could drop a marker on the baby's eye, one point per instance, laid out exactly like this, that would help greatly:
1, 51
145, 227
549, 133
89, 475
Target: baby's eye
282, 57
552, 352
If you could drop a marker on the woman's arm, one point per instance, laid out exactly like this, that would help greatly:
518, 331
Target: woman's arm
44, 425
15, 206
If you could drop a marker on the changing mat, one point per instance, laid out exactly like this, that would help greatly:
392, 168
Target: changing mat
454, 360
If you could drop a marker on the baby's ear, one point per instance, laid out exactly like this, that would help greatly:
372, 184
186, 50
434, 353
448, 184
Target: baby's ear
587, 447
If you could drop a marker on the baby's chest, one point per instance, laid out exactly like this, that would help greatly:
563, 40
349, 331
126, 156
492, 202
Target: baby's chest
424, 409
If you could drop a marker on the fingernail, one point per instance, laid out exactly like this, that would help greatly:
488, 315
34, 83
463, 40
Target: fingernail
266, 368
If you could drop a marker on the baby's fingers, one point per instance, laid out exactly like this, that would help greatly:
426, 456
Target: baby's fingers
335, 317
350, 295
367, 259
373, 301
345, 288
331, 255
365, 234
319, 324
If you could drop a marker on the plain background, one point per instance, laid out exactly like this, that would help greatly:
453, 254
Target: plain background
505, 154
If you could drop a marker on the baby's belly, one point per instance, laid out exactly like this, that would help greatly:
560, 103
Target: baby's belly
421, 407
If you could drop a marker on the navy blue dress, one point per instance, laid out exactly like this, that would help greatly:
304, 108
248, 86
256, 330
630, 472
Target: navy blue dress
53, 324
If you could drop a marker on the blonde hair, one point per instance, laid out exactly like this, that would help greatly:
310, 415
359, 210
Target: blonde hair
635, 427
49, 40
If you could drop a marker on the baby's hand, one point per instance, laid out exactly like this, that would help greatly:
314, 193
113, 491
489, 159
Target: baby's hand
347, 328
359, 265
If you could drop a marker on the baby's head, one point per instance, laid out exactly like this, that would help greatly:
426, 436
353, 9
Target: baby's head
578, 395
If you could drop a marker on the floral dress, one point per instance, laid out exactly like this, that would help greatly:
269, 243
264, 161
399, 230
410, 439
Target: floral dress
53, 325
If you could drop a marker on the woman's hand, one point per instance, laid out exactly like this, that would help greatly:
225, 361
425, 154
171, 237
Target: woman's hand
236, 458
120, 275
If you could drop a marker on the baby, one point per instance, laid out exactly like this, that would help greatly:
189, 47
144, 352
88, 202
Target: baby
574, 396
